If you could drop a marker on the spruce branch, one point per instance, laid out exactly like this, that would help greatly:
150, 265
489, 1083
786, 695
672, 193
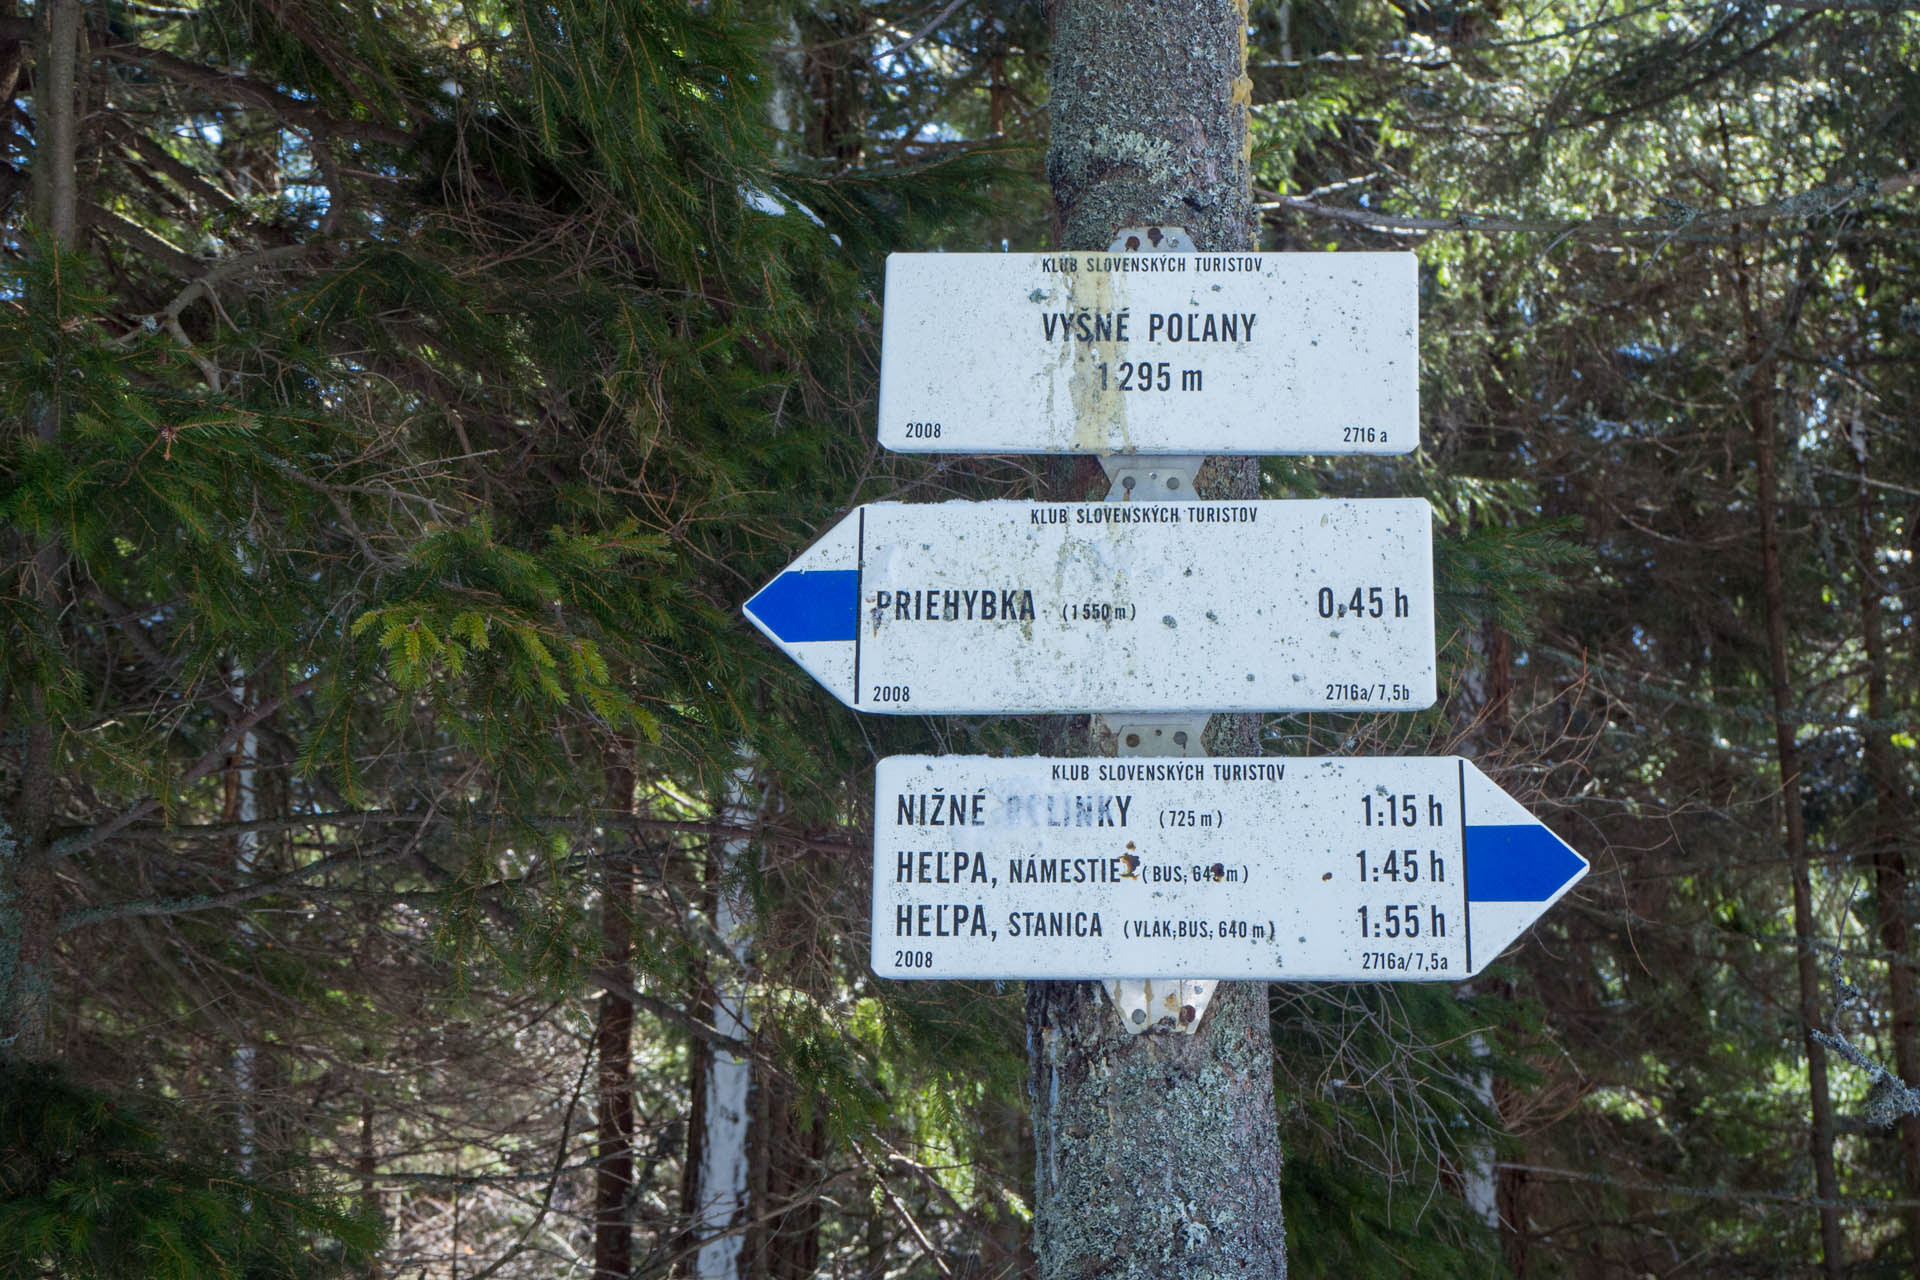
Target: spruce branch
202, 286
244, 89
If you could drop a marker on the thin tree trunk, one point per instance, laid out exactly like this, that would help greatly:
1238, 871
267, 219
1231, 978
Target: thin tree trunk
1760, 419
26, 874
789, 1154
243, 807
997, 91
790, 1248
1889, 858
722, 1195
699, 1064
1495, 1192
835, 64
764, 1114
56, 111
366, 1164
874, 1236
613, 1047
13, 56
1157, 1154
1516, 1239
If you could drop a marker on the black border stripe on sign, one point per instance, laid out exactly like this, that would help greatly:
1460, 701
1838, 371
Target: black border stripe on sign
1466, 898
859, 594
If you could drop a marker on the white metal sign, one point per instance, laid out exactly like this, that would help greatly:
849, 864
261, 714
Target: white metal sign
1347, 869
1246, 353
1022, 607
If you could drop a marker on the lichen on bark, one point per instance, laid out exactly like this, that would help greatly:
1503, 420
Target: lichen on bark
1156, 1155
1149, 120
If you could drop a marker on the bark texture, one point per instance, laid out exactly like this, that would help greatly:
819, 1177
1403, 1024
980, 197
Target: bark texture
784, 1241
1157, 1155
1149, 121
1787, 752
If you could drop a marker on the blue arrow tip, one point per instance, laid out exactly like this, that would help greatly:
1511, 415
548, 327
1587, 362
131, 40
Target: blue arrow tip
1524, 862
804, 606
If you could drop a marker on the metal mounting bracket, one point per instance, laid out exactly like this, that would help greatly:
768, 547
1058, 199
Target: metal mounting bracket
1151, 240
1157, 1004
1160, 1004
1164, 478
1152, 735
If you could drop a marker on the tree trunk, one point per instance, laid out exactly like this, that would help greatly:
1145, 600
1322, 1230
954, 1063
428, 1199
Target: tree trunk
1149, 121
366, 1165
1516, 1238
242, 807
834, 67
874, 1235
1157, 1154
1495, 1191
613, 1049
13, 57
686, 1244
788, 1213
27, 883
789, 1145
56, 111
721, 1187
1890, 887
1760, 419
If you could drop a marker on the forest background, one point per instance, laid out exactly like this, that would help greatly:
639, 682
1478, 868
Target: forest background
414, 866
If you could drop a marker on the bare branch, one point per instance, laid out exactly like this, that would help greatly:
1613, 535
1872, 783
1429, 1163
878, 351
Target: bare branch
254, 93
1707, 1193
607, 980
215, 901
210, 760
1819, 202
923, 32
877, 1167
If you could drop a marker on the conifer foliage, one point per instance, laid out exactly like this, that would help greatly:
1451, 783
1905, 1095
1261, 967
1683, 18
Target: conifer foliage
398, 399
387, 443
90, 1189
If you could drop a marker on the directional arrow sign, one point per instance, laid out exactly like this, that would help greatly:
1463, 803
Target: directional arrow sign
1150, 353
1346, 870
965, 607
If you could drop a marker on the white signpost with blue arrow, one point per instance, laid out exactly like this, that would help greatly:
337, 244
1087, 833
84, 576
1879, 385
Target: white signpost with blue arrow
1192, 869
1345, 869
1024, 607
